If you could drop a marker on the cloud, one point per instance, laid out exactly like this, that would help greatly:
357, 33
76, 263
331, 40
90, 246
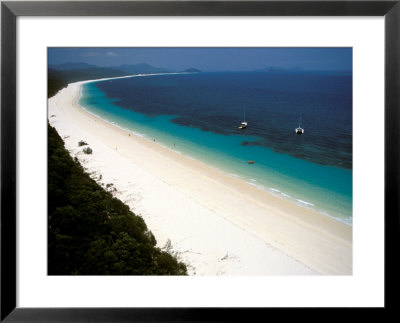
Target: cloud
89, 54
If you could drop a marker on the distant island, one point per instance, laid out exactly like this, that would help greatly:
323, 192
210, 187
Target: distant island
192, 70
280, 69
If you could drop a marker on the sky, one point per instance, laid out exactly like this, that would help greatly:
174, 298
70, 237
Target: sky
209, 59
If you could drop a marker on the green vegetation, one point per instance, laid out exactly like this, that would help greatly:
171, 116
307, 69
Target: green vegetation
55, 83
82, 143
92, 233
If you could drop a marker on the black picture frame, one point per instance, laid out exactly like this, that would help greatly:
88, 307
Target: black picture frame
10, 10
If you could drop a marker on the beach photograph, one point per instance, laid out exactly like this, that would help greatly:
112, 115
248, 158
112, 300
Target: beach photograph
200, 161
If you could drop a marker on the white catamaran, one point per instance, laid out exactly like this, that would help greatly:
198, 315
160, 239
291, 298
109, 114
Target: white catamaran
244, 123
299, 130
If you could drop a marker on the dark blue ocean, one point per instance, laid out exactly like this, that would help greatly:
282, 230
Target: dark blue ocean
198, 115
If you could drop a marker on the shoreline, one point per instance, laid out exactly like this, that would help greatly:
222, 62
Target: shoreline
288, 238
249, 181
273, 180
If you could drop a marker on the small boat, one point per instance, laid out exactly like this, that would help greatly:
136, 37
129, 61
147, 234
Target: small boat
251, 162
299, 130
243, 124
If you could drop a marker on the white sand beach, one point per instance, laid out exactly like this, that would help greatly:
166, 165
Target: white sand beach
215, 223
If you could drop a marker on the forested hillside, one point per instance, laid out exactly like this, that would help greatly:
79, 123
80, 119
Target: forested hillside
89, 231
92, 233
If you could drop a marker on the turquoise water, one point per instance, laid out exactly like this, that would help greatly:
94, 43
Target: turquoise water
325, 188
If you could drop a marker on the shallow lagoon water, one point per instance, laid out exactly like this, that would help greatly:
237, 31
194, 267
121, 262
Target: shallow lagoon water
310, 181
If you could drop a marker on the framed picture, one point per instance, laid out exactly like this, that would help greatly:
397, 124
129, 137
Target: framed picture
358, 44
